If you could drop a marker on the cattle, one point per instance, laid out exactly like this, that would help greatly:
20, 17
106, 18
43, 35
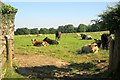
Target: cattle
90, 48
99, 43
39, 42
50, 41
83, 36
57, 35
105, 38
86, 37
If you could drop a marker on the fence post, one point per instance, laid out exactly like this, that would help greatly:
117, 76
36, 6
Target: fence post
8, 51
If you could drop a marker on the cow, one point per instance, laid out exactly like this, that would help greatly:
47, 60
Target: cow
90, 48
99, 43
57, 35
86, 37
45, 43
50, 41
105, 38
83, 36
39, 42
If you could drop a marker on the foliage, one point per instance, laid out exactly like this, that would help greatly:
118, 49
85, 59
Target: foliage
52, 30
44, 31
69, 28
111, 18
7, 9
34, 31
82, 28
61, 29
22, 31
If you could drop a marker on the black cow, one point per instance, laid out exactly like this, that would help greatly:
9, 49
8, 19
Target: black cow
57, 35
86, 37
50, 41
83, 36
105, 38
99, 42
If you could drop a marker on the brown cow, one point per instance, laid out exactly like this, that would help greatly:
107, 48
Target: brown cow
39, 42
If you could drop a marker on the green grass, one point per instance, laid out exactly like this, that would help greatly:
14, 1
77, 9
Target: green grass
10, 73
67, 50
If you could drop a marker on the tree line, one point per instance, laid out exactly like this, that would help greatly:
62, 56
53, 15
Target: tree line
95, 26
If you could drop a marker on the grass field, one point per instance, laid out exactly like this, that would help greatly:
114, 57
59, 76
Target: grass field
67, 50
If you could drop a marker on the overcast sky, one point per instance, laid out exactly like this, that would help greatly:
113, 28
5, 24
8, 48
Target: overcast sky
53, 14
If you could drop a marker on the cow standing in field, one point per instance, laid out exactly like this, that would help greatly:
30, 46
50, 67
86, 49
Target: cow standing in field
90, 48
105, 38
50, 41
39, 42
57, 35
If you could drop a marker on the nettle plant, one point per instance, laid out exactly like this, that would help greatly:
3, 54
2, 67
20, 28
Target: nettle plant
7, 9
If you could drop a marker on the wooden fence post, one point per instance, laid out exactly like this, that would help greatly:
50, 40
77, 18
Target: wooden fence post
8, 51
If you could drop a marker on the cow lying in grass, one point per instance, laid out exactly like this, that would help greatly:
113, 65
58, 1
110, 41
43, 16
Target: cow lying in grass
50, 41
86, 37
90, 48
39, 42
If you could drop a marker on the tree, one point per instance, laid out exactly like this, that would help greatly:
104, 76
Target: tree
52, 30
82, 28
111, 21
22, 31
69, 28
61, 29
34, 31
44, 31
97, 25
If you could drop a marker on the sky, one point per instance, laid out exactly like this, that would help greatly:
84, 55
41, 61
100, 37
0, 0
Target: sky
50, 14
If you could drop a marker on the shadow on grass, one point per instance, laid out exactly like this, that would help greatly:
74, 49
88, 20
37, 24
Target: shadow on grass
82, 70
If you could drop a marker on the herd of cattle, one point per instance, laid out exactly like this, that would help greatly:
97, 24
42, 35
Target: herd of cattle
90, 48
104, 43
47, 41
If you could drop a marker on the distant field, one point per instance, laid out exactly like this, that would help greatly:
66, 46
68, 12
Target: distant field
67, 49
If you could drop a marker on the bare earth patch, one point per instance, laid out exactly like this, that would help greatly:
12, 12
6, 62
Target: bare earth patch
30, 60
41, 66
